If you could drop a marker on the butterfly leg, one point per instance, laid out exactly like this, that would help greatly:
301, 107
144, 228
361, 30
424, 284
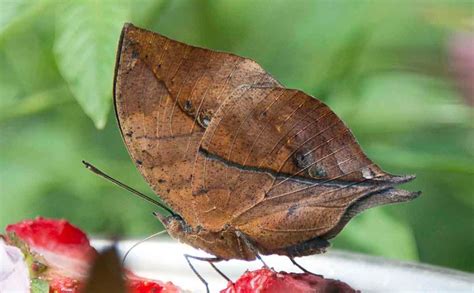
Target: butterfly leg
251, 247
209, 260
301, 267
261, 260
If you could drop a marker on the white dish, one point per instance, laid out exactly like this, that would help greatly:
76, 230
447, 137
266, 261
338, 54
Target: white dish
163, 260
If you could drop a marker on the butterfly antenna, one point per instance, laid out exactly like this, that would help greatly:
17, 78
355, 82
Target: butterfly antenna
93, 169
140, 242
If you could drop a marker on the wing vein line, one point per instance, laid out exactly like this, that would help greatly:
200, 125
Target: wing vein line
320, 159
229, 77
286, 134
182, 60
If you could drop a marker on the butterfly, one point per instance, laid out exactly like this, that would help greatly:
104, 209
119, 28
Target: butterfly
246, 165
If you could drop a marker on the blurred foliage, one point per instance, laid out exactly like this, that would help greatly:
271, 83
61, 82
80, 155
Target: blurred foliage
383, 66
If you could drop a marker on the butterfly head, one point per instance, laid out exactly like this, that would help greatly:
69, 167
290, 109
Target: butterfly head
174, 224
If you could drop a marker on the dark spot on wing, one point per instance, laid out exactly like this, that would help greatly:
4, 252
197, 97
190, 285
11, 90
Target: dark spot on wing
301, 160
291, 210
188, 106
317, 171
201, 191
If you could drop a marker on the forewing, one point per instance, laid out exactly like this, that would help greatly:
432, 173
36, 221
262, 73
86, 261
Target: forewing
166, 94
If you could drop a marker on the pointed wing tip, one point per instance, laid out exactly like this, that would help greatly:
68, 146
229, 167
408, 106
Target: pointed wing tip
400, 195
408, 194
416, 194
125, 29
128, 25
400, 179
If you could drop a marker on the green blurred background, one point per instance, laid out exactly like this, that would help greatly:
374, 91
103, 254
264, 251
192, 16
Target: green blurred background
398, 72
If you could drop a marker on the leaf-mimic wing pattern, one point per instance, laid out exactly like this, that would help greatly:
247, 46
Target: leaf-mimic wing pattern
230, 149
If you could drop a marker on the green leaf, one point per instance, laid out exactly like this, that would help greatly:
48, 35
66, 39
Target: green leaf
423, 160
10, 11
16, 14
35, 103
377, 232
401, 101
144, 12
85, 45
344, 62
39, 286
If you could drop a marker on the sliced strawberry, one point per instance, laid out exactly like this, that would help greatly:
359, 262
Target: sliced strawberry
54, 235
64, 248
64, 285
268, 281
142, 285
60, 254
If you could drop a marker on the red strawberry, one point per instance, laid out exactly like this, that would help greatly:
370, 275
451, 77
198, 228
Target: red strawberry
60, 254
141, 285
54, 235
268, 281
64, 247
134, 284
64, 285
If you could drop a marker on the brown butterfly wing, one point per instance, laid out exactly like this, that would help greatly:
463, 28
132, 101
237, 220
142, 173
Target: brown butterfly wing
288, 167
165, 95
223, 143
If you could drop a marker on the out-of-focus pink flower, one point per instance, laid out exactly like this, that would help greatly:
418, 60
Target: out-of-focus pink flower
14, 275
461, 59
